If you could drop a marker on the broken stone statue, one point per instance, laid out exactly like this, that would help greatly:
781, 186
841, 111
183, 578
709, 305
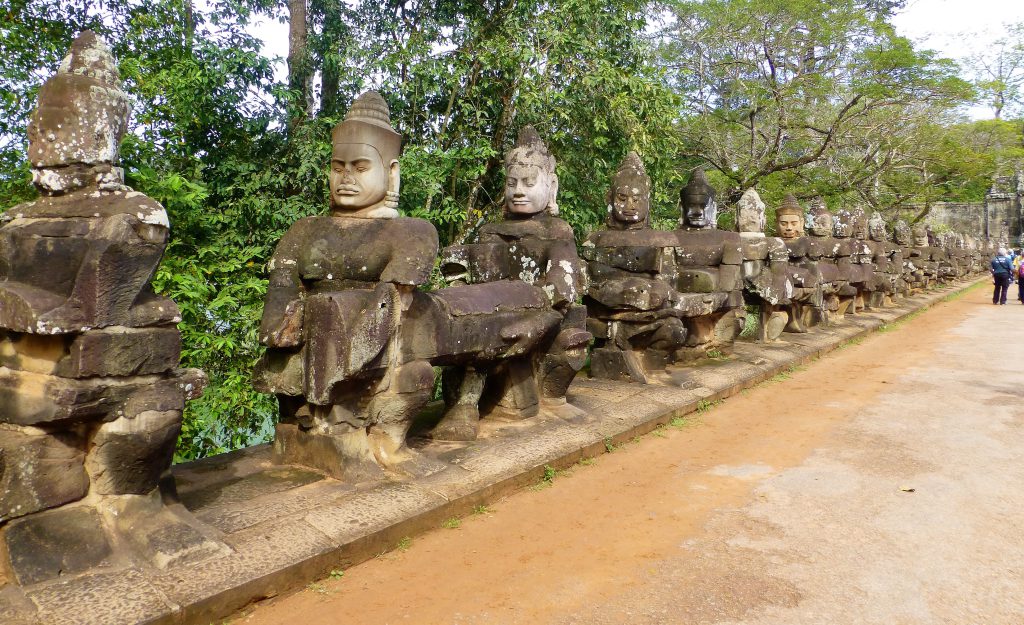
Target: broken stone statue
911, 276
849, 227
91, 396
634, 313
887, 260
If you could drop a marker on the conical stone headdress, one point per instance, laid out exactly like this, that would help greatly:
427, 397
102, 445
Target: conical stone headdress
790, 206
530, 149
82, 113
632, 168
697, 186
368, 122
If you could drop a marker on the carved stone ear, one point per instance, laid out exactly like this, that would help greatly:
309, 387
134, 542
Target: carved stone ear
552, 203
394, 177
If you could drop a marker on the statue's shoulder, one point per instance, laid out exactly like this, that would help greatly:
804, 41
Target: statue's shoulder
92, 205
557, 228
413, 226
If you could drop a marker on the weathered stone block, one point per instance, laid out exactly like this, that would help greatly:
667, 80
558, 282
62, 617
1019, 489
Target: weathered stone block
60, 542
159, 535
117, 351
31, 398
39, 470
694, 280
129, 454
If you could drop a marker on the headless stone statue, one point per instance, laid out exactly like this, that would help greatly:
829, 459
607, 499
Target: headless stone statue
806, 303
91, 398
707, 261
634, 313
532, 246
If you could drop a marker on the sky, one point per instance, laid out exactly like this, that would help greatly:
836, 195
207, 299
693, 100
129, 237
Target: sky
954, 28
958, 28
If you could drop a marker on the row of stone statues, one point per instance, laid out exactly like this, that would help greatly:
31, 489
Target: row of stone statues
91, 396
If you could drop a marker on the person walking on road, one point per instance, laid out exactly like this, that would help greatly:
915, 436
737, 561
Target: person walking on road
1018, 274
1002, 275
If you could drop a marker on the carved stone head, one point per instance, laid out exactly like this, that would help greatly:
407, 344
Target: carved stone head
920, 235
697, 203
750, 219
860, 223
629, 199
531, 184
842, 223
934, 240
74, 135
877, 229
902, 233
819, 220
364, 176
789, 219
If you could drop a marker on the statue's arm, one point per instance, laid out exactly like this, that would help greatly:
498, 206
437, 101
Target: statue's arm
413, 249
283, 307
565, 278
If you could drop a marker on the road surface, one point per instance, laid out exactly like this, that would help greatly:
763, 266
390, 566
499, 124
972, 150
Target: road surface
882, 484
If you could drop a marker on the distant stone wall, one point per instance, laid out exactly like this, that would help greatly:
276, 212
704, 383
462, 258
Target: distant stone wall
966, 217
998, 218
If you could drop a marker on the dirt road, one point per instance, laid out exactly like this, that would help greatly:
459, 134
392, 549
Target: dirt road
882, 484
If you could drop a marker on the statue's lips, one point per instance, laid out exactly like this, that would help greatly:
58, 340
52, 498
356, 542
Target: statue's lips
347, 190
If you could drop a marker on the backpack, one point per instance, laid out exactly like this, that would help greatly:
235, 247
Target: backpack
1020, 270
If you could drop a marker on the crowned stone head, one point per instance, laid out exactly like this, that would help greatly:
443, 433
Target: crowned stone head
750, 218
697, 203
819, 219
75, 132
860, 223
789, 218
842, 223
920, 235
365, 175
877, 229
531, 184
629, 199
902, 233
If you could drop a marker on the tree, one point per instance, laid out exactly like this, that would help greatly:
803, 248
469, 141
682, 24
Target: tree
999, 70
777, 88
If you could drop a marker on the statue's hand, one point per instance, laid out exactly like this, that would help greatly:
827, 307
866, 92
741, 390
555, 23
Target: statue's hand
287, 331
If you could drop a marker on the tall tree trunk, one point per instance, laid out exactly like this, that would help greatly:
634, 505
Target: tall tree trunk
190, 25
335, 34
300, 70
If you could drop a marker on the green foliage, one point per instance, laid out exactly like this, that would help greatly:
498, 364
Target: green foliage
237, 156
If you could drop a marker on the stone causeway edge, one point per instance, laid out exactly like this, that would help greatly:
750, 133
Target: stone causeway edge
286, 538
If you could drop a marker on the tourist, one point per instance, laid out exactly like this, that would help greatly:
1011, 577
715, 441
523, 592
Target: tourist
1002, 275
1018, 271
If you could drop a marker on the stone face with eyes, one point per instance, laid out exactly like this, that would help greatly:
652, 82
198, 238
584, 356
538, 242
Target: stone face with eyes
358, 177
527, 189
